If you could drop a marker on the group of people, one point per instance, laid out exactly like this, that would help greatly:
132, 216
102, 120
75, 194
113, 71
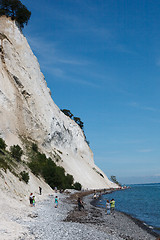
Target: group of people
110, 206
32, 200
95, 195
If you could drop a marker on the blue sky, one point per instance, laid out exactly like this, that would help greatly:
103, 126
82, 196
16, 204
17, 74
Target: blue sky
101, 60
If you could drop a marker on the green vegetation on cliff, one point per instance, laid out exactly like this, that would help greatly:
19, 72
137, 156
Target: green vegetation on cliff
114, 179
16, 10
39, 164
54, 175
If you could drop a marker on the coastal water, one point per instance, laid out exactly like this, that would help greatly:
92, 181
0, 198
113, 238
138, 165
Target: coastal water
141, 201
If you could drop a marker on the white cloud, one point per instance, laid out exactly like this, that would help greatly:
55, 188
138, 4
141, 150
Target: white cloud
49, 53
145, 150
147, 108
54, 62
57, 72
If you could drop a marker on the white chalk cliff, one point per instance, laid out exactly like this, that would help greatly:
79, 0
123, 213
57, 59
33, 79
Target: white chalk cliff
27, 110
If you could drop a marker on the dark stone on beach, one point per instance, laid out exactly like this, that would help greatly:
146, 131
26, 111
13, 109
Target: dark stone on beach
33, 215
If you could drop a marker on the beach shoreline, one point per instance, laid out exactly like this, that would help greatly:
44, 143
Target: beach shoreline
137, 221
44, 221
130, 232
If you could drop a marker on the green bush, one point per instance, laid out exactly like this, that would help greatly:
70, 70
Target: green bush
3, 164
25, 176
77, 186
53, 174
16, 152
34, 147
2, 144
35, 167
69, 181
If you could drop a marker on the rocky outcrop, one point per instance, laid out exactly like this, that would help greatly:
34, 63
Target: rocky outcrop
28, 111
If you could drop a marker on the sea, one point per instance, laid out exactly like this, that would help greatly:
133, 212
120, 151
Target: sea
141, 201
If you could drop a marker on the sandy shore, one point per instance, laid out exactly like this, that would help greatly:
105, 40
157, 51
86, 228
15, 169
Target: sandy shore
66, 222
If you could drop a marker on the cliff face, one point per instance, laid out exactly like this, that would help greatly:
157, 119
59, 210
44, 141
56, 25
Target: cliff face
27, 110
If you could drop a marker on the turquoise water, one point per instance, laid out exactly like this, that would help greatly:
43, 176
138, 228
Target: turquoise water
141, 201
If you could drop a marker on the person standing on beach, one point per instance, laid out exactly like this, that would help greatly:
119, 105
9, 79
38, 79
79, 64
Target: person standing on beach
31, 199
94, 196
112, 202
40, 190
56, 202
108, 206
80, 204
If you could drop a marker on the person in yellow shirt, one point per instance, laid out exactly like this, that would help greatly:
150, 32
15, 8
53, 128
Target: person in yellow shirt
112, 202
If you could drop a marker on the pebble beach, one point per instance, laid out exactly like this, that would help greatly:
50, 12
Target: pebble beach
65, 222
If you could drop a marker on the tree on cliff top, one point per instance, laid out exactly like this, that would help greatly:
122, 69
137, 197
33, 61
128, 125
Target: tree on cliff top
16, 10
114, 179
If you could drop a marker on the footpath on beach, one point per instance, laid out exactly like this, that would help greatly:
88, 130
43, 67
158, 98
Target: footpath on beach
66, 222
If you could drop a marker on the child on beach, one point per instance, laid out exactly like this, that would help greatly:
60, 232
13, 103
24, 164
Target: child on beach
108, 207
56, 202
34, 201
